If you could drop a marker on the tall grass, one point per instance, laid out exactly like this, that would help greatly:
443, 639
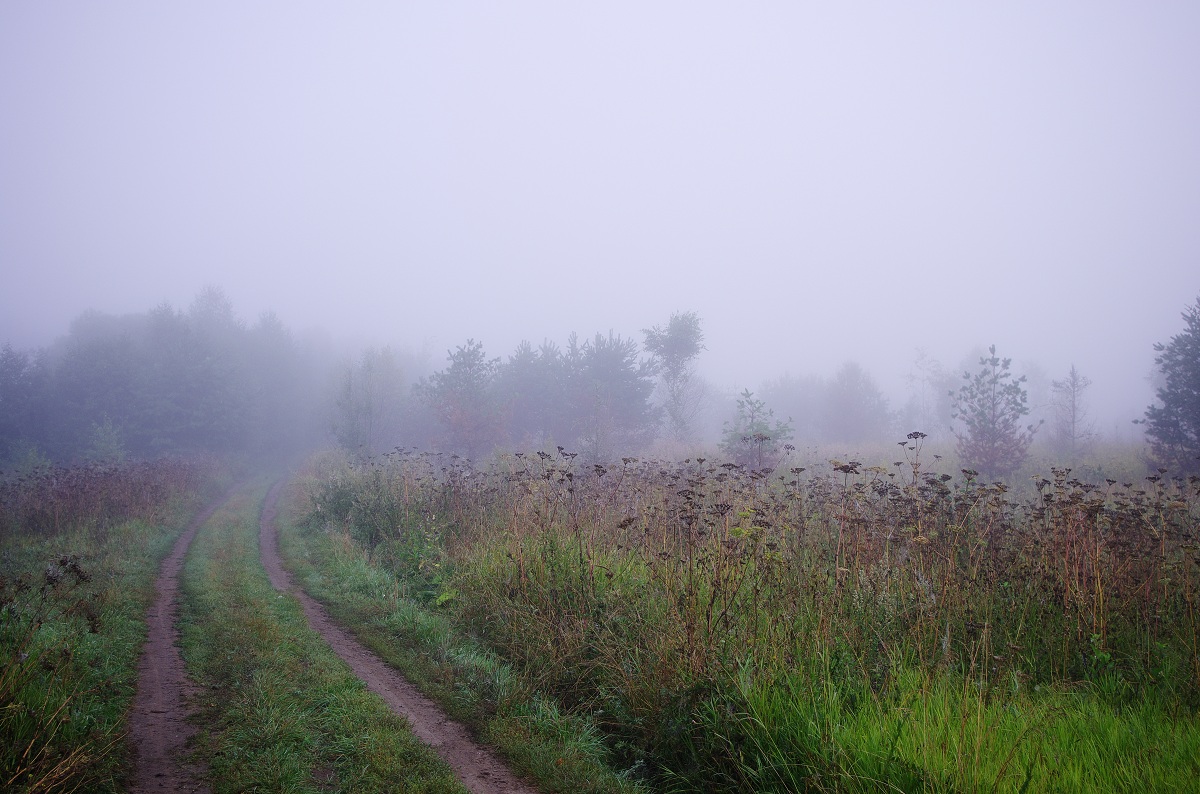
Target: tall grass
725, 626
406, 622
95, 496
79, 551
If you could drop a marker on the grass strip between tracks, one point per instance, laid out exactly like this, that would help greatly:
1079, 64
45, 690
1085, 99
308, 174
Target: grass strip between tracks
279, 711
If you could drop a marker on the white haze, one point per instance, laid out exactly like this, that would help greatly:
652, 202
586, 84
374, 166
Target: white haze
820, 182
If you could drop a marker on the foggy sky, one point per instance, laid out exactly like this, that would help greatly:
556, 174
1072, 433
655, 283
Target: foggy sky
820, 182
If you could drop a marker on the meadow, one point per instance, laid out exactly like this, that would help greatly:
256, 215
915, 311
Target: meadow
834, 627
641, 625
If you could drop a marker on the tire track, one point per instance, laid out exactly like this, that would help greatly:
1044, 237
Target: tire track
480, 770
158, 725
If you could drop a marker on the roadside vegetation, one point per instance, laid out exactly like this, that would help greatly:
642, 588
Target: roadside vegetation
278, 710
563, 751
79, 551
710, 626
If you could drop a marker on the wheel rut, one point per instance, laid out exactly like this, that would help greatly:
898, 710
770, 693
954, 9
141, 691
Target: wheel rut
479, 769
158, 717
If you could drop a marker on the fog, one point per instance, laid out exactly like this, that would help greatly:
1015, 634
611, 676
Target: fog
820, 183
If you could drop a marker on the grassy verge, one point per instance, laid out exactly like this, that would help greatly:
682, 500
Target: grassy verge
73, 598
809, 732
563, 752
280, 712
850, 630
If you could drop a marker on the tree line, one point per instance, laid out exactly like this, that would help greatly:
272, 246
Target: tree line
171, 382
601, 396
181, 382
160, 383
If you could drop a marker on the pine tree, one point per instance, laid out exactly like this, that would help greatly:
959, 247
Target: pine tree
756, 438
1173, 425
989, 407
463, 397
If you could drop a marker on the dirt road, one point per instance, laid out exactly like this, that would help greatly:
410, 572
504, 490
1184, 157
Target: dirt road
476, 766
158, 716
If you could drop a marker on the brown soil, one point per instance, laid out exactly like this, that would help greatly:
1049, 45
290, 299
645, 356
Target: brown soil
475, 765
159, 730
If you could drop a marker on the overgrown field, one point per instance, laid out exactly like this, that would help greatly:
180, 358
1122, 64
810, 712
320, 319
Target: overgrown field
279, 710
563, 753
849, 628
79, 550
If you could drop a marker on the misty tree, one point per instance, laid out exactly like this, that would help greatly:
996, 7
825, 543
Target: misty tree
107, 443
367, 403
849, 407
532, 385
161, 382
854, 409
1039, 393
463, 398
224, 410
931, 388
211, 314
24, 401
673, 351
193, 390
988, 408
1073, 431
802, 398
101, 371
14, 399
1173, 425
274, 379
755, 438
608, 391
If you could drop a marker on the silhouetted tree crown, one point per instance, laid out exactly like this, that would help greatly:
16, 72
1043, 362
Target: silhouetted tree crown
1173, 425
673, 351
162, 382
463, 397
609, 389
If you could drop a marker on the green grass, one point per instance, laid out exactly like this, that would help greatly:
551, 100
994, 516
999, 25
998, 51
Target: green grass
856, 629
280, 712
807, 732
72, 608
563, 752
